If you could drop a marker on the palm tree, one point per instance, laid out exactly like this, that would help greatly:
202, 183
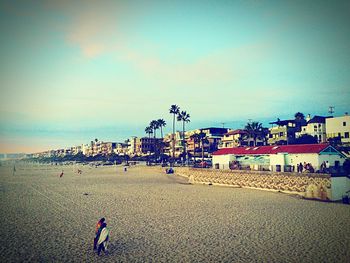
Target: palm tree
175, 110
149, 131
154, 126
161, 124
203, 140
254, 129
299, 116
185, 118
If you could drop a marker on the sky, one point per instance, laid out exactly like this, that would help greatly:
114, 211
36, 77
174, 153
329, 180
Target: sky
73, 71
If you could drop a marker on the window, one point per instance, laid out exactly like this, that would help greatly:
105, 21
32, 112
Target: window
344, 123
281, 134
346, 135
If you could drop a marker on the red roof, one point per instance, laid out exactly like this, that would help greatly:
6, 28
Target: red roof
298, 148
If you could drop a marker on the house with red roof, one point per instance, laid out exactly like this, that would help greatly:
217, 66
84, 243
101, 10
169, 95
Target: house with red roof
279, 158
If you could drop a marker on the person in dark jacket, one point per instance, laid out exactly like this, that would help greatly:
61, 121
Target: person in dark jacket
98, 231
102, 242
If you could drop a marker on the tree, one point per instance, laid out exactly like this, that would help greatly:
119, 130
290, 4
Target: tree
203, 140
299, 116
154, 125
254, 129
161, 124
185, 118
149, 131
175, 110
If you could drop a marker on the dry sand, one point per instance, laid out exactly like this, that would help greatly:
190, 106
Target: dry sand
160, 218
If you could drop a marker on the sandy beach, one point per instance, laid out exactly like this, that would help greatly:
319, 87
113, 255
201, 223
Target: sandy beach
155, 217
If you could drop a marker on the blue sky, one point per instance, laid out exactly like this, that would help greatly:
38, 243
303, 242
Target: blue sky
72, 72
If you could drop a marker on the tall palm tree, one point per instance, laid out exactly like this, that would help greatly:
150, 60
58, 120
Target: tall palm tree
149, 131
175, 110
185, 118
161, 124
203, 140
154, 125
254, 129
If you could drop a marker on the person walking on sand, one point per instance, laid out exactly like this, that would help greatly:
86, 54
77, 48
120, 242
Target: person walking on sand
102, 242
61, 174
98, 231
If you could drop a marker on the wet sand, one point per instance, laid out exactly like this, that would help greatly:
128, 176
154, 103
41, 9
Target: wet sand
160, 218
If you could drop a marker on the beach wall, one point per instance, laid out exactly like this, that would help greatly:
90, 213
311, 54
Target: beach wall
316, 186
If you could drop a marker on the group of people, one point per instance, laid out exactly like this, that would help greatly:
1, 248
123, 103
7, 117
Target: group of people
324, 168
305, 167
101, 236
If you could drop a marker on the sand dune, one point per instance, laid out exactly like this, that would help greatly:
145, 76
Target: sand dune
160, 218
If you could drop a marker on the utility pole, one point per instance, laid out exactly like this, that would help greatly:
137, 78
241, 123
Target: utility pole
331, 109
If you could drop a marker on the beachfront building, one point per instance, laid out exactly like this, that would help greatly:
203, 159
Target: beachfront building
278, 158
168, 144
213, 137
76, 149
144, 146
338, 129
195, 145
239, 137
106, 148
234, 138
315, 127
121, 148
283, 132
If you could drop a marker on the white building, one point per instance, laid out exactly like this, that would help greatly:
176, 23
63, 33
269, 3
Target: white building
315, 127
278, 158
339, 127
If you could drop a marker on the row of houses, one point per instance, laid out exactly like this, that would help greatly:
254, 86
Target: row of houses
281, 132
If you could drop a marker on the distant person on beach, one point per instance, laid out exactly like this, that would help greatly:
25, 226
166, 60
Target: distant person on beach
98, 231
14, 170
102, 242
61, 174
